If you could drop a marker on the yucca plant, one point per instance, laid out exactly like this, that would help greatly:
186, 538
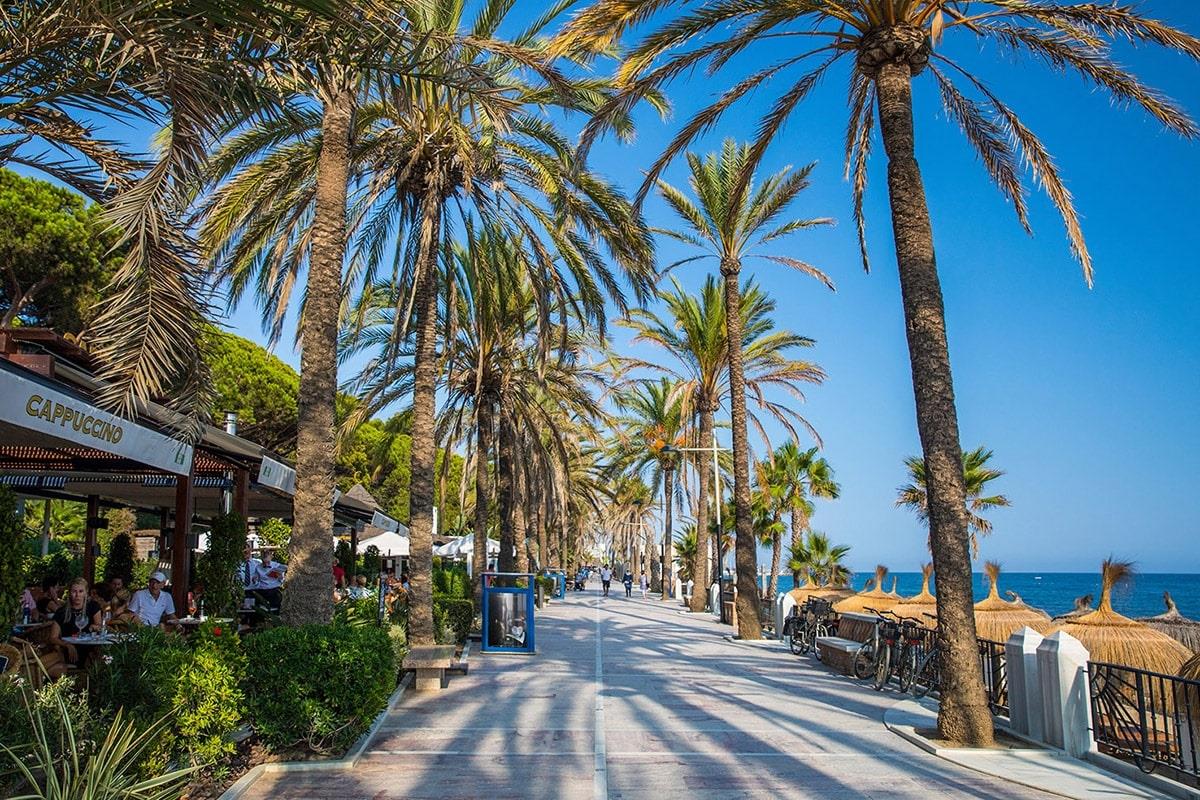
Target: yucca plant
887, 46
60, 765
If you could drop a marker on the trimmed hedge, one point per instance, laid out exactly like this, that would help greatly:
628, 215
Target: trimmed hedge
454, 613
318, 685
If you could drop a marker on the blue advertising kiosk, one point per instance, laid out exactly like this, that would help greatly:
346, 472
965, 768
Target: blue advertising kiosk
508, 603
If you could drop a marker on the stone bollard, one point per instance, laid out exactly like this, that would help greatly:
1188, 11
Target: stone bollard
714, 600
1062, 669
1024, 684
784, 603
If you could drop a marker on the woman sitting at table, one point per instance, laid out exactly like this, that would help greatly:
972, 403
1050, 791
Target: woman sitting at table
78, 615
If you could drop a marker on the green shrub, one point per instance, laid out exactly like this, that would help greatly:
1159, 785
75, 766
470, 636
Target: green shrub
18, 701
455, 614
318, 685
357, 613
12, 562
59, 564
119, 563
452, 581
399, 638
197, 683
278, 534
217, 567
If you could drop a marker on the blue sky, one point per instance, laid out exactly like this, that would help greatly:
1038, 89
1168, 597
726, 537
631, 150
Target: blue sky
1087, 397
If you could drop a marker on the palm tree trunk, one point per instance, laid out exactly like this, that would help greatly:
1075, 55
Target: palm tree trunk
668, 541
483, 496
964, 715
700, 576
520, 516
424, 436
745, 545
507, 561
308, 596
776, 552
799, 522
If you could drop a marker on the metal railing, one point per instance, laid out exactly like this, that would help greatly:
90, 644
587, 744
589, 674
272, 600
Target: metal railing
1150, 718
994, 664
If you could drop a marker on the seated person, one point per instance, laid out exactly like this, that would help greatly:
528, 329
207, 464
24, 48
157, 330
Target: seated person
50, 599
270, 578
152, 605
78, 615
360, 590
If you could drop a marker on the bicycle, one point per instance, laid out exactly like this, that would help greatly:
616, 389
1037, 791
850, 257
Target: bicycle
805, 624
923, 672
878, 658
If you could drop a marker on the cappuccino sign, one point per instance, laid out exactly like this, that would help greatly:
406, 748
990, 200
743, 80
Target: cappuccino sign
30, 405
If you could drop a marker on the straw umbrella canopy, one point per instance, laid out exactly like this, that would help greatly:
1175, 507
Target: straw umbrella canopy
1116, 639
920, 604
997, 619
809, 589
872, 596
1177, 626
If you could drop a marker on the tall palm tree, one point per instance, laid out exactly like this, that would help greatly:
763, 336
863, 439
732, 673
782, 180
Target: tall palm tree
821, 560
806, 475
651, 427
887, 45
693, 331
688, 552
976, 477
732, 228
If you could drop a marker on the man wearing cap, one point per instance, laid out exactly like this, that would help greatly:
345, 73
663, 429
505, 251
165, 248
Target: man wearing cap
153, 606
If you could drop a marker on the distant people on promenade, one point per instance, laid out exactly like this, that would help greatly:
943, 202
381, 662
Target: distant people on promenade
605, 578
644, 584
628, 581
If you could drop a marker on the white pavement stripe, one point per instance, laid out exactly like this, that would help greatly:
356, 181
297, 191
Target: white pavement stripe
890, 755
600, 774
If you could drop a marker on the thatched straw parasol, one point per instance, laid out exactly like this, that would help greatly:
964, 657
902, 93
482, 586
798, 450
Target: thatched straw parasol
872, 596
997, 619
892, 592
921, 603
1177, 626
1083, 605
809, 589
1116, 639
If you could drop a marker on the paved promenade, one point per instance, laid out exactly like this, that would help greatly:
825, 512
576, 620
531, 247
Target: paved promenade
631, 699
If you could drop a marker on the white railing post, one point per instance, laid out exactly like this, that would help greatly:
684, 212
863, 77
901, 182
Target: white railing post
784, 603
1062, 667
1024, 684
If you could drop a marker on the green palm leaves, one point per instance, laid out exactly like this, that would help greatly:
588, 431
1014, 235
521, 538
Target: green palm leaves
820, 560
977, 473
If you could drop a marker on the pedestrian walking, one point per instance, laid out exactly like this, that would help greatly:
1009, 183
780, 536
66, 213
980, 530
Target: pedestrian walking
605, 578
628, 581
644, 585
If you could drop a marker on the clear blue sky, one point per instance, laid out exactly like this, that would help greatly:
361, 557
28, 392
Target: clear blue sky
1088, 397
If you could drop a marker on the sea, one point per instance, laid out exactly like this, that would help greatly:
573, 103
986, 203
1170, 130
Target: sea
1055, 592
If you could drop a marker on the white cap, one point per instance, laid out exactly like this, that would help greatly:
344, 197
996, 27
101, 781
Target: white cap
158, 576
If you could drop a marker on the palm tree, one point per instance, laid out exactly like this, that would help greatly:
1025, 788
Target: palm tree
732, 228
693, 331
689, 554
807, 476
651, 428
768, 505
887, 44
821, 560
976, 477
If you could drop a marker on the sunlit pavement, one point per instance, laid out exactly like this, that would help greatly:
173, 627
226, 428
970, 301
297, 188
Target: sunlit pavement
630, 698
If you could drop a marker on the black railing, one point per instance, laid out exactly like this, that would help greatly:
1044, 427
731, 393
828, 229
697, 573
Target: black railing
995, 675
1151, 718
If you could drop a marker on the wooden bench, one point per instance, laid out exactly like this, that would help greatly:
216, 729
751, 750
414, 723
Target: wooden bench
430, 663
838, 652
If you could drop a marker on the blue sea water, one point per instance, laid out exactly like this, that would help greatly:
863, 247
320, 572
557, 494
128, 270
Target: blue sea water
1055, 592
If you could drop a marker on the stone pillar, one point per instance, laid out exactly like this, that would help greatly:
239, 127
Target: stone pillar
1062, 666
1025, 712
784, 603
714, 600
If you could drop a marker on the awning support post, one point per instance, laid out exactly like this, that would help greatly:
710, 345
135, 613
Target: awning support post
89, 539
179, 540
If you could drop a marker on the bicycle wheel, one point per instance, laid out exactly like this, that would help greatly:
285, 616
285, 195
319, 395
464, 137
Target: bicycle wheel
883, 668
864, 662
908, 668
798, 640
925, 677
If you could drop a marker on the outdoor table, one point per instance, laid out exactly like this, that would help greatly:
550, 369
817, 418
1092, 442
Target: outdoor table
90, 639
32, 627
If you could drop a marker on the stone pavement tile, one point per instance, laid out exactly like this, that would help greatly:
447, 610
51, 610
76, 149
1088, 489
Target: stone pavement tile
484, 741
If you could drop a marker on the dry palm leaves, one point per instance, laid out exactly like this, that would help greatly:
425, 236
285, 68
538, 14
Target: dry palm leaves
1177, 626
997, 619
1116, 639
872, 596
1083, 605
921, 603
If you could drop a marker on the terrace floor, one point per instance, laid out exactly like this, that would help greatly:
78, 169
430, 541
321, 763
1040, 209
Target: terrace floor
634, 699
